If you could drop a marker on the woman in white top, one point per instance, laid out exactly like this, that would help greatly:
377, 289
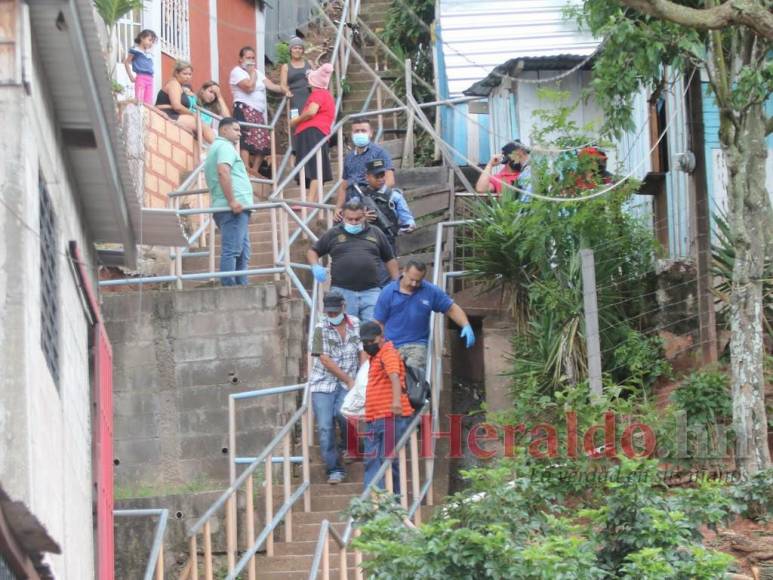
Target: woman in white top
248, 86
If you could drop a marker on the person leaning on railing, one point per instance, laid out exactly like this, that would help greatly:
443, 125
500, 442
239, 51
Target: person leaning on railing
210, 99
230, 187
173, 101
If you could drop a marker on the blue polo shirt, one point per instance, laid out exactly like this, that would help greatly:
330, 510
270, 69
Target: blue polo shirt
355, 163
406, 316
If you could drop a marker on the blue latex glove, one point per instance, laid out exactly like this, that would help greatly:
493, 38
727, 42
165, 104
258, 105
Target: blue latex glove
468, 335
320, 274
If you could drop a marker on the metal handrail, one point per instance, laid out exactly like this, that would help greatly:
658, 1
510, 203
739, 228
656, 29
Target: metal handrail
156, 557
268, 529
220, 502
434, 349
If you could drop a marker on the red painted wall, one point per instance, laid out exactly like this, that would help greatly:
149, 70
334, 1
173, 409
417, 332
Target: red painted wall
198, 11
236, 28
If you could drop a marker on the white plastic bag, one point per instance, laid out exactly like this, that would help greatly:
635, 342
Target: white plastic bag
354, 401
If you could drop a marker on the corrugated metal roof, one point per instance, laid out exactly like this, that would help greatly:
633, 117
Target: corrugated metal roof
479, 36
515, 66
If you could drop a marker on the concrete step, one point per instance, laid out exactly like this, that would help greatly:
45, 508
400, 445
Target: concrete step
354, 472
303, 575
294, 562
300, 548
310, 532
317, 517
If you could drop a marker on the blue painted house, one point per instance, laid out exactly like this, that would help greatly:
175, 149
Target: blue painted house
503, 50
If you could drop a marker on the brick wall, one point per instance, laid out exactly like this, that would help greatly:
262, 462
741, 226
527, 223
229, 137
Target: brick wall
170, 154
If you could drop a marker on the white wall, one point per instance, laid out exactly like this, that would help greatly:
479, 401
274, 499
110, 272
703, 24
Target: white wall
529, 101
45, 432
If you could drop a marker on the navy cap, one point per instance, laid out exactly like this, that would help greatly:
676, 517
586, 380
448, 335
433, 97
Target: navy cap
376, 166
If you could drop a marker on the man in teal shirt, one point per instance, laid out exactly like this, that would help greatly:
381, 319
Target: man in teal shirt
230, 189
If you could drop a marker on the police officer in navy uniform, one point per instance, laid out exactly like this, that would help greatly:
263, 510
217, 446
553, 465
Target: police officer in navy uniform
386, 207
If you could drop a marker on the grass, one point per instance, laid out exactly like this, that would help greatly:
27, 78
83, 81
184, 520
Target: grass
139, 491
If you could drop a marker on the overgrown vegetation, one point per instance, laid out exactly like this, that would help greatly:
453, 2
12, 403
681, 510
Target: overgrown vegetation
512, 522
754, 496
407, 33
532, 252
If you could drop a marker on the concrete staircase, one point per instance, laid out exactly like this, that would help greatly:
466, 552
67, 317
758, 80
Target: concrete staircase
373, 13
292, 560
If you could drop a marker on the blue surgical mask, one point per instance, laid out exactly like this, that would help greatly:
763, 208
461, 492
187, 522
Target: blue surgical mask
353, 228
336, 320
360, 139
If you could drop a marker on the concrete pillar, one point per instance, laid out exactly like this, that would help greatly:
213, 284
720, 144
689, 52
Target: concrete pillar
497, 335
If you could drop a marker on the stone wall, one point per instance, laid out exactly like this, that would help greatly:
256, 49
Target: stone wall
177, 357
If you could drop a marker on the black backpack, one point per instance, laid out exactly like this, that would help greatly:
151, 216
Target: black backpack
416, 387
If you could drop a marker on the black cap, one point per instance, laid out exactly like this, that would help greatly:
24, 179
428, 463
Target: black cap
332, 302
512, 146
375, 166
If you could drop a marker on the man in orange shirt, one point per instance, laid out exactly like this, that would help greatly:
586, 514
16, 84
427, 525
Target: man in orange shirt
387, 408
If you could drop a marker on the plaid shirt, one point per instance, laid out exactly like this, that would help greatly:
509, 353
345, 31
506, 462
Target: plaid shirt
345, 353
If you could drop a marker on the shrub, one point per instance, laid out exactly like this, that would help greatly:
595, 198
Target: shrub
705, 397
754, 496
510, 523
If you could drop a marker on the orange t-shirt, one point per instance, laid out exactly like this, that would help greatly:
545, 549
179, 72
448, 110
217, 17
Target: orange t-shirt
378, 395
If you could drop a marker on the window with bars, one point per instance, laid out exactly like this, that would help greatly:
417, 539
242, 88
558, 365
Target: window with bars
175, 31
49, 283
5, 570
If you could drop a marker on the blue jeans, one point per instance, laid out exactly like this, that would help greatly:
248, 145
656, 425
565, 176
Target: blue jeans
381, 437
327, 411
360, 304
235, 245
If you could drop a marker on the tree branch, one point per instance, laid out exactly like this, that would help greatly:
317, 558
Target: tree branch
748, 13
769, 126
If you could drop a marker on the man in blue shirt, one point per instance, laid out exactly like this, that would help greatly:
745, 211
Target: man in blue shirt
404, 308
356, 161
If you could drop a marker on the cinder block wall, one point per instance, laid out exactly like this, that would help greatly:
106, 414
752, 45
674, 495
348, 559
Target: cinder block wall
177, 357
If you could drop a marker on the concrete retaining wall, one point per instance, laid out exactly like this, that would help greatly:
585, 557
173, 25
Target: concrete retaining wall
177, 357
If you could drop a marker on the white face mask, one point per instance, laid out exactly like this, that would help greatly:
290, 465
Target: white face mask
336, 320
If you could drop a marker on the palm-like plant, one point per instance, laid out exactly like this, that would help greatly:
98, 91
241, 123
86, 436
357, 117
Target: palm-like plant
723, 260
111, 11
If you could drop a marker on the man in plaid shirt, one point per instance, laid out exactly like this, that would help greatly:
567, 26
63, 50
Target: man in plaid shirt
337, 353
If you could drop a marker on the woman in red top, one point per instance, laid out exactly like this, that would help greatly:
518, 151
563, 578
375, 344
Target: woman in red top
314, 124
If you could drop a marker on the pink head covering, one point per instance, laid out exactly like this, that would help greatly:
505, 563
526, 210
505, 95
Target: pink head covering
320, 78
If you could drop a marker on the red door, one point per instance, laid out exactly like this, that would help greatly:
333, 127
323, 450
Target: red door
102, 425
103, 450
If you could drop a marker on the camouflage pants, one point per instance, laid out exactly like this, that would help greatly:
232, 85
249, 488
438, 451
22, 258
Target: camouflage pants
415, 355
